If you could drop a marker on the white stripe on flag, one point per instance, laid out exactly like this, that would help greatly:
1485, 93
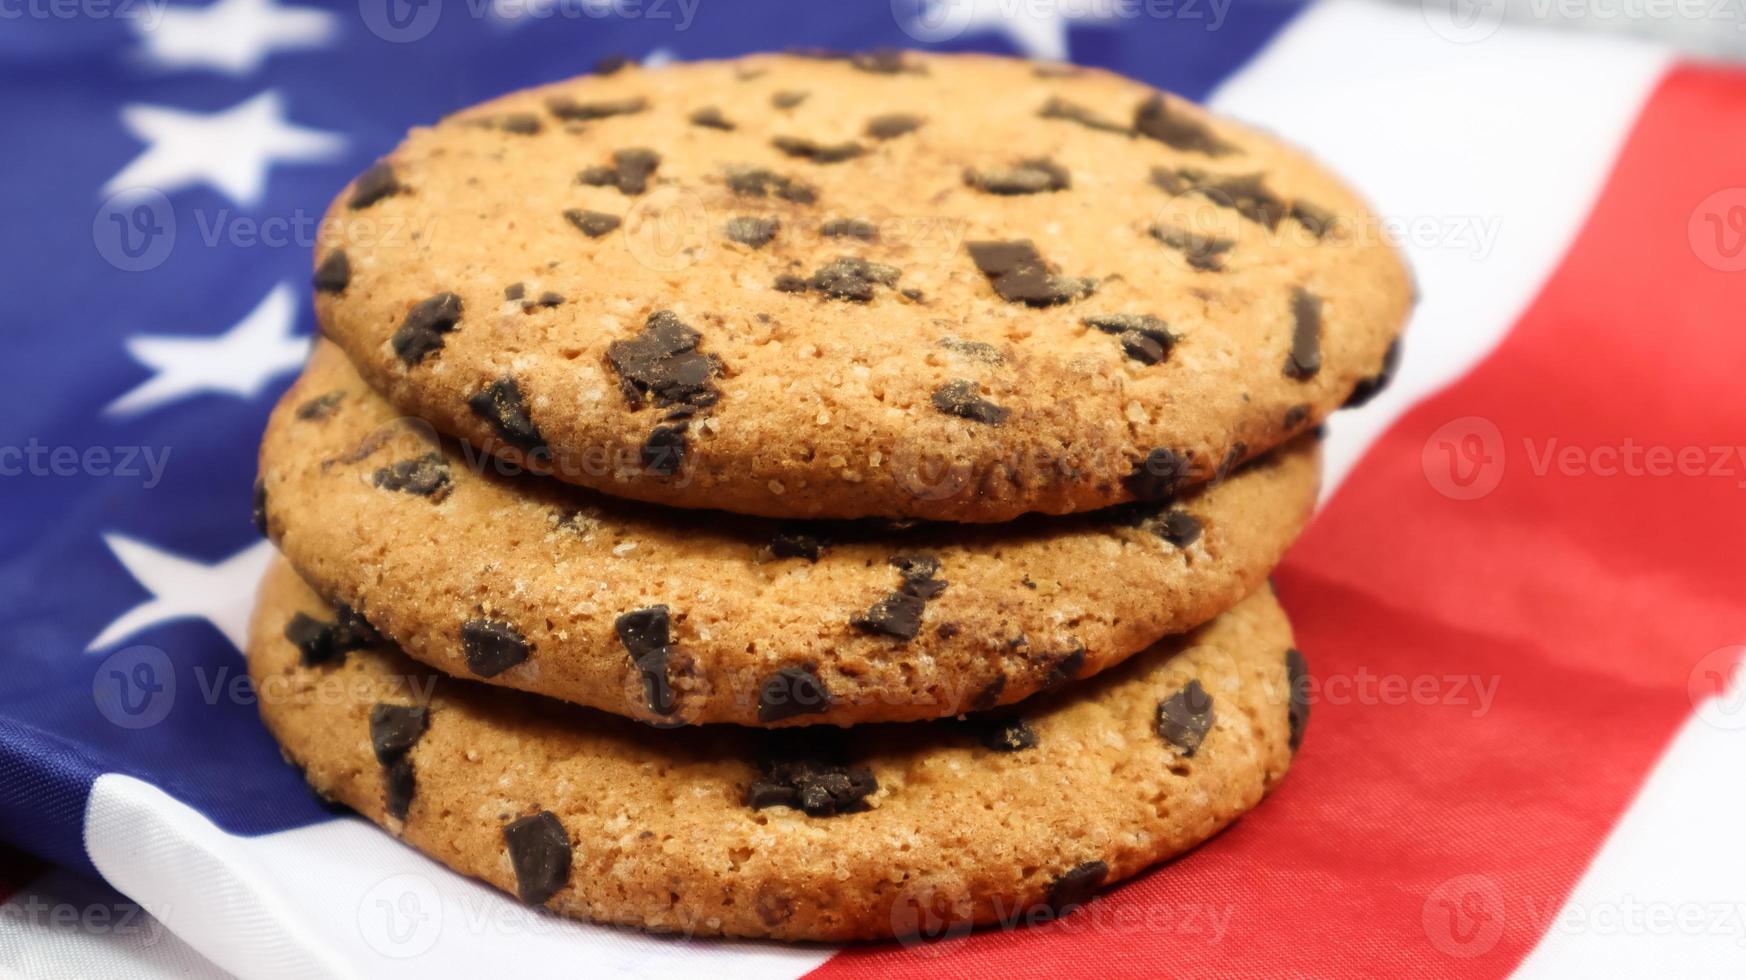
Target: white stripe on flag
67, 927
1486, 158
1664, 898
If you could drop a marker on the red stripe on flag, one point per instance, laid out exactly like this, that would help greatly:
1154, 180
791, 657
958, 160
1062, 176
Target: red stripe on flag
1429, 829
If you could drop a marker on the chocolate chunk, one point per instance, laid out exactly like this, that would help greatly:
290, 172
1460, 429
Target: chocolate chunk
320, 642
791, 692
1059, 108
990, 694
846, 278
663, 452
920, 575
421, 476
1064, 669
976, 350
1203, 252
710, 117
421, 333
630, 171
1179, 527
1295, 416
520, 123
788, 99
756, 232
1319, 221
960, 398
1306, 335
399, 785
1019, 274
514, 291
395, 729
313, 638
884, 61
492, 646
1298, 711
859, 228
758, 182
647, 637
892, 125
1035, 176
259, 511
1154, 120
500, 403
570, 110
545, 299
1244, 194
898, 614
612, 64
662, 363
1368, 388
1159, 475
1074, 888
592, 223
334, 273
373, 185
793, 543
1007, 735
539, 851
1144, 337
320, 407
796, 773
806, 149
1185, 717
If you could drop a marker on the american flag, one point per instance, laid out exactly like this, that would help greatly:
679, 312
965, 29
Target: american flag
1524, 594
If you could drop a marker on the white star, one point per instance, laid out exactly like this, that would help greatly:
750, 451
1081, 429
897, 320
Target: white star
238, 362
1038, 28
660, 58
182, 588
231, 36
231, 149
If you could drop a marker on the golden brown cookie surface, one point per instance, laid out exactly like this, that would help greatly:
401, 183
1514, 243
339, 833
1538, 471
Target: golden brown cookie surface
690, 617
795, 835
946, 287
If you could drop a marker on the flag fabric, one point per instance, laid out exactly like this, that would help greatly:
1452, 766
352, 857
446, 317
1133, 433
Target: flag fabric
1524, 597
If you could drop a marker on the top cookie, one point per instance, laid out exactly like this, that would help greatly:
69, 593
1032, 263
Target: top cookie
946, 287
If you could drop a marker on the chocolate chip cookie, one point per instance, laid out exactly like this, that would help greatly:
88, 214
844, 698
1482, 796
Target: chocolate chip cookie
917, 830
677, 617
958, 289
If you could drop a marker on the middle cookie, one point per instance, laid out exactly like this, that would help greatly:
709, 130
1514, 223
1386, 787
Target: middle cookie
677, 617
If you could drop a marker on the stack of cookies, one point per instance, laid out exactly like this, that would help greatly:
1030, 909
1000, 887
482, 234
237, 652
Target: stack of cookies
812, 496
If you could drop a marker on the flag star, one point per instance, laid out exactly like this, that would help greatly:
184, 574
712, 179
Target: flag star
660, 58
222, 594
231, 36
239, 362
1039, 30
231, 149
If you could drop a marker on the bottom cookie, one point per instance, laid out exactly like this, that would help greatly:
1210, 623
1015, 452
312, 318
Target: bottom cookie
796, 834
